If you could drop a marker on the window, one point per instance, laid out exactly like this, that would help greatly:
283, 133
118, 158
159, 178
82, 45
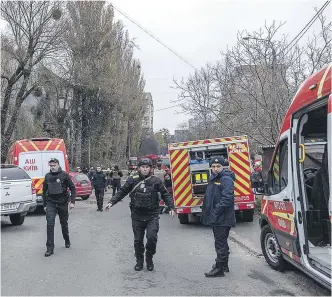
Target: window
280, 169
13, 173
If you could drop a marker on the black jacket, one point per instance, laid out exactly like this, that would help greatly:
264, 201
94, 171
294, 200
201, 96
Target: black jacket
153, 185
55, 187
99, 180
218, 204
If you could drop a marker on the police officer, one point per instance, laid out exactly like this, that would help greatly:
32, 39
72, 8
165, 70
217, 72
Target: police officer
116, 176
56, 198
99, 183
143, 190
218, 211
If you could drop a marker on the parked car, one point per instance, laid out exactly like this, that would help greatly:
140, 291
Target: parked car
82, 183
18, 194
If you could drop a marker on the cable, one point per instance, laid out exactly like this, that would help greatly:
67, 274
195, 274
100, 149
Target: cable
306, 27
155, 38
172, 106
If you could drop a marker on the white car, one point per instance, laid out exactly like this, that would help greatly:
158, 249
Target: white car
18, 194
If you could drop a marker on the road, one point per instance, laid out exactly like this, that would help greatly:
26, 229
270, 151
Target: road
101, 260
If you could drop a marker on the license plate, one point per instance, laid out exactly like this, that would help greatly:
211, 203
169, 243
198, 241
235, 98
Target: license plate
196, 209
236, 206
12, 206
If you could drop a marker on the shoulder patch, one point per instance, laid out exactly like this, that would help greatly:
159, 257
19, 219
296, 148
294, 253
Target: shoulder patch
135, 176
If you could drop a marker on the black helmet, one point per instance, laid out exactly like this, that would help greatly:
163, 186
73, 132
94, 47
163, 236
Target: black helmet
145, 161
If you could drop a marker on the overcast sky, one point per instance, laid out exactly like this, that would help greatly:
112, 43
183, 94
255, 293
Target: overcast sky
198, 30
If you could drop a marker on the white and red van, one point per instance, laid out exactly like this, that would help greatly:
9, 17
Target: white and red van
296, 207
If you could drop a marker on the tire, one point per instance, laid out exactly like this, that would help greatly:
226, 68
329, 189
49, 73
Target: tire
248, 215
85, 197
16, 219
183, 218
271, 249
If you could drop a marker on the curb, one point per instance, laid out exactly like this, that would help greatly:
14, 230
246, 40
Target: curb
245, 244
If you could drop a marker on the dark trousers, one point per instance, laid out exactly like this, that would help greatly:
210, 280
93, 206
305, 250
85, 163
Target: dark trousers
152, 227
99, 192
51, 210
116, 185
220, 242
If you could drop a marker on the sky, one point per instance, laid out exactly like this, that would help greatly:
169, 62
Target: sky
198, 30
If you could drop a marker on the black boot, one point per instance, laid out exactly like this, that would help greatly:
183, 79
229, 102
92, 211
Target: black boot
49, 252
67, 243
217, 270
149, 263
139, 264
226, 268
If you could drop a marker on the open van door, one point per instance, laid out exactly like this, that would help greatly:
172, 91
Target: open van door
311, 146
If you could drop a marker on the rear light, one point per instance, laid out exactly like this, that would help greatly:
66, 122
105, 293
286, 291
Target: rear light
33, 189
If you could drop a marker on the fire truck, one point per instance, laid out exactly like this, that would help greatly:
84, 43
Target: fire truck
33, 155
132, 164
296, 207
190, 172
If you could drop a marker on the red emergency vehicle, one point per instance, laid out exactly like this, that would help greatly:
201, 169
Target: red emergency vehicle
190, 171
296, 207
33, 155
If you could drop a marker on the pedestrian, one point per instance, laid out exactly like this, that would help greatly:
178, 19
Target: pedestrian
143, 191
159, 172
91, 173
56, 198
99, 182
116, 175
108, 178
218, 211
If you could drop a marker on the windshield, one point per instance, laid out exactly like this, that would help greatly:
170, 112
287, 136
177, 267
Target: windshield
166, 162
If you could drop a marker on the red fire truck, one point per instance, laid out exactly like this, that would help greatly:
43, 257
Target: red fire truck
190, 172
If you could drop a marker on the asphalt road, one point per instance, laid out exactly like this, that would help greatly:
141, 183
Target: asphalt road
101, 260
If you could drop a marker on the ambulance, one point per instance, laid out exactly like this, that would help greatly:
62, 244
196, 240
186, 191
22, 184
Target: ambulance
190, 172
32, 155
296, 207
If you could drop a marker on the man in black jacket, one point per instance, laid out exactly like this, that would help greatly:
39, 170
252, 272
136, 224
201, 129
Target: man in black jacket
218, 212
116, 176
99, 181
56, 198
143, 190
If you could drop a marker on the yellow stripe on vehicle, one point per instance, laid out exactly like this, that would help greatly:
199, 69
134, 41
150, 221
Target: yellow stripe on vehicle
181, 155
182, 166
180, 187
235, 160
34, 145
57, 147
48, 145
321, 84
242, 190
23, 147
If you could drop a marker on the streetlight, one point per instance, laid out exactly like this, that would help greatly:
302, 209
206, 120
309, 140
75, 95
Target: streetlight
247, 38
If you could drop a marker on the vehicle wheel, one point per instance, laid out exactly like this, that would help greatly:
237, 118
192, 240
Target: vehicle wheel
248, 215
183, 218
85, 197
271, 249
16, 219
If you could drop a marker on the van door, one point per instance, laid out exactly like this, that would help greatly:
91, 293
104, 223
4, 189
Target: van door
310, 151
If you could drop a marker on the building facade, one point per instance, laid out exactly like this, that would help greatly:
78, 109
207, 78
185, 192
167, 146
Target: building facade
147, 125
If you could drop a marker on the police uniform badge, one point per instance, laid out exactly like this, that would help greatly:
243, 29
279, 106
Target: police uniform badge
216, 160
58, 181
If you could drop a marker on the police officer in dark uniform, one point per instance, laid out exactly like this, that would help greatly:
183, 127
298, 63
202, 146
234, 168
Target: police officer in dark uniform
99, 181
56, 198
218, 211
143, 191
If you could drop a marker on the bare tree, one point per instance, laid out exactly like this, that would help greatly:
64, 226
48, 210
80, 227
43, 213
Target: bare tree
33, 35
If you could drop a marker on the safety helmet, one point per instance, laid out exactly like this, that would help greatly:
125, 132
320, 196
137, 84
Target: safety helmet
145, 161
